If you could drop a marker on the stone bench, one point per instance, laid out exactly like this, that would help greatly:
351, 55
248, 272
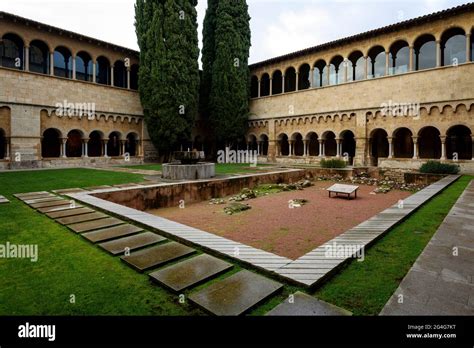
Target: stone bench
342, 189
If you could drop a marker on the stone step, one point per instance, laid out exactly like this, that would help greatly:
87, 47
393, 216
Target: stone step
81, 218
190, 272
94, 225
236, 294
106, 234
69, 212
41, 200
49, 204
137, 241
158, 255
301, 304
66, 206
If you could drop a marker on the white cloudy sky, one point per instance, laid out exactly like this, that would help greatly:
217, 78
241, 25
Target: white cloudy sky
278, 26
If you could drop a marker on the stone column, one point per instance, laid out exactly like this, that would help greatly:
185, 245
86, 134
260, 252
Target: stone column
73, 67
412, 53
122, 147
7, 149
297, 79
390, 147
282, 83
338, 147
86, 150
290, 152
346, 68
311, 77
468, 47
111, 75
259, 88
27, 58
305, 148
271, 86
94, 71
328, 79
366, 69
259, 144
443, 146
438, 53
415, 147
104, 151
128, 78
51, 63
387, 62
472, 146
63, 148
321, 147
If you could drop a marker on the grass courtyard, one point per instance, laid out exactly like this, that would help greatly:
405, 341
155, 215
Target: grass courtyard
221, 168
103, 285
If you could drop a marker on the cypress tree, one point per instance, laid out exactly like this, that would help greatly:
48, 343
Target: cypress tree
169, 72
230, 73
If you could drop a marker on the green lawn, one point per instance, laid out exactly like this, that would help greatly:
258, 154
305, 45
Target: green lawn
365, 287
221, 168
69, 265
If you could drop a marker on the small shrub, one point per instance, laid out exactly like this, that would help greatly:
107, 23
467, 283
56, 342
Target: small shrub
333, 163
434, 167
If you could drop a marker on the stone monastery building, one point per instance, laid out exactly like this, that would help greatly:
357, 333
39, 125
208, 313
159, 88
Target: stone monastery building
391, 97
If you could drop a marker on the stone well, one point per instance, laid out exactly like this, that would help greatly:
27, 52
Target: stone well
178, 171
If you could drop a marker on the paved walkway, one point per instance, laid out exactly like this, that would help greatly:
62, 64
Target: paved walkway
441, 282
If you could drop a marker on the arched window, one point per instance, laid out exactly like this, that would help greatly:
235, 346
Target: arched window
134, 76
298, 144
453, 47
74, 144
265, 85
11, 51
425, 52
39, 57
403, 143
376, 62
113, 145
131, 144
356, 68
62, 62
263, 145
320, 73
336, 70
348, 145
330, 145
459, 143
379, 145
277, 87
283, 145
429, 143
303, 77
399, 58
51, 143
313, 144
94, 145
290, 79
254, 87
103, 71
120, 74
83, 67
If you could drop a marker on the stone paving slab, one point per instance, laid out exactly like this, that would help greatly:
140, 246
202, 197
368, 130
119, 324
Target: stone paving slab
303, 304
3, 200
70, 190
69, 212
69, 220
439, 282
236, 294
37, 196
105, 234
49, 204
190, 272
158, 255
66, 206
94, 225
26, 194
137, 241
41, 200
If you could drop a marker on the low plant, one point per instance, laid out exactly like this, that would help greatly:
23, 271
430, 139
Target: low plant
435, 167
333, 163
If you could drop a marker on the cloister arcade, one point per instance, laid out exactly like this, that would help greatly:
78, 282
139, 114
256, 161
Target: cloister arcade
60, 61
75, 144
451, 47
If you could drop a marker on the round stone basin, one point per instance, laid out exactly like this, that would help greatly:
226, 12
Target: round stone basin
178, 171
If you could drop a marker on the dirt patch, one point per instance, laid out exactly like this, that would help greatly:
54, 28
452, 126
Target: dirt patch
273, 226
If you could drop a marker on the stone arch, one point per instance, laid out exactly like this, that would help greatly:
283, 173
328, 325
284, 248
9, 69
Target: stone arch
453, 46
304, 72
62, 62
376, 66
336, 73
74, 143
277, 78
297, 144
263, 139
113, 143
399, 57
254, 86
103, 70
459, 141
284, 145
320, 73
265, 85
39, 57
83, 66
356, 66
348, 145
330, 145
95, 148
120, 74
313, 143
403, 142
290, 79
12, 48
425, 52
379, 147
131, 141
51, 143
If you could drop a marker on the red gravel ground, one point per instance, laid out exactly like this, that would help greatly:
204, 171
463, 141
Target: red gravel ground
272, 226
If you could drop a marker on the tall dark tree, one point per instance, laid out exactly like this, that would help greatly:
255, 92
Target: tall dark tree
169, 71
229, 95
208, 55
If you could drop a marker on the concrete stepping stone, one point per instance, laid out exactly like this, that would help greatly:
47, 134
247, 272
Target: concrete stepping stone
66, 206
26, 194
306, 305
41, 200
49, 204
69, 212
44, 195
111, 233
190, 272
70, 190
94, 225
81, 218
137, 241
144, 259
235, 295
3, 200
